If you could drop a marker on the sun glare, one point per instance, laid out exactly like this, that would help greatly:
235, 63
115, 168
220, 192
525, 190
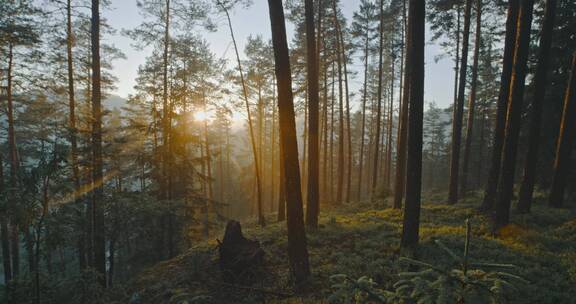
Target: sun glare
200, 115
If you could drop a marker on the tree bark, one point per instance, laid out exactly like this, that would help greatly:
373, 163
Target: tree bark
297, 248
514, 112
458, 110
565, 140
472, 98
313, 104
97, 168
527, 186
501, 109
416, 33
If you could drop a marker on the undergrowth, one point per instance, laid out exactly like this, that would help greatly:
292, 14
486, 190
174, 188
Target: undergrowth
361, 241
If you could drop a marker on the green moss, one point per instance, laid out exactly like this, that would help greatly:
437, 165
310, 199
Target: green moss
362, 239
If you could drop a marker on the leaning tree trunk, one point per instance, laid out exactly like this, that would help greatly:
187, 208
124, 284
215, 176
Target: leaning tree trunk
97, 168
472, 98
459, 110
416, 30
565, 141
297, 248
501, 109
513, 120
313, 104
261, 220
527, 187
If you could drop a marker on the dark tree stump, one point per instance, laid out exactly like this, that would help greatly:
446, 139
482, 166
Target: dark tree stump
239, 256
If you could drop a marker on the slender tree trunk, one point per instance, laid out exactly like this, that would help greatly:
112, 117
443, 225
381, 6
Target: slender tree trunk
400, 177
565, 140
297, 249
282, 190
363, 127
97, 168
376, 153
527, 187
313, 104
514, 112
261, 220
387, 177
72, 126
6, 258
13, 154
472, 98
501, 109
340, 185
415, 47
347, 95
458, 110
457, 59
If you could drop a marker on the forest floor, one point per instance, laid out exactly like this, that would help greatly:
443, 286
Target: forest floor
362, 239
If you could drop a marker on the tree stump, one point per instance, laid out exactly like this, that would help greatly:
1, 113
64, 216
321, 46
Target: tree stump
239, 256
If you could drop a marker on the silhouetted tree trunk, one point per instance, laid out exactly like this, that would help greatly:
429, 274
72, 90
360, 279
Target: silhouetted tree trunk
388, 164
282, 190
261, 220
13, 154
376, 153
565, 140
501, 109
313, 104
97, 168
513, 117
527, 187
72, 125
363, 126
415, 49
6, 258
297, 249
472, 98
400, 176
458, 110
339, 59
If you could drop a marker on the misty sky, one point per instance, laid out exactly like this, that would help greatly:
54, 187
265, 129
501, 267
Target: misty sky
255, 21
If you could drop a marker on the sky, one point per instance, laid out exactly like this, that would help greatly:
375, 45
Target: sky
124, 14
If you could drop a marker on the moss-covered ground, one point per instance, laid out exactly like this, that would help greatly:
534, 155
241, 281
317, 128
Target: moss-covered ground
362, 239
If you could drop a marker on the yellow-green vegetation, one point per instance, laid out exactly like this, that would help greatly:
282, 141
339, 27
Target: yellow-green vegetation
362, 239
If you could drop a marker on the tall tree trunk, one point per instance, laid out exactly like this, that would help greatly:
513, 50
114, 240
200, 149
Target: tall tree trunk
282, 186
6, 258
97, 168
415, 49
387, 173
313, 104
527, 187
458, 110
498, 141
339, 59
400, 176
72, 126
363, 126
297, 249
376, 153
261, 220
472, 98
13, 154
514, 112
565, 140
